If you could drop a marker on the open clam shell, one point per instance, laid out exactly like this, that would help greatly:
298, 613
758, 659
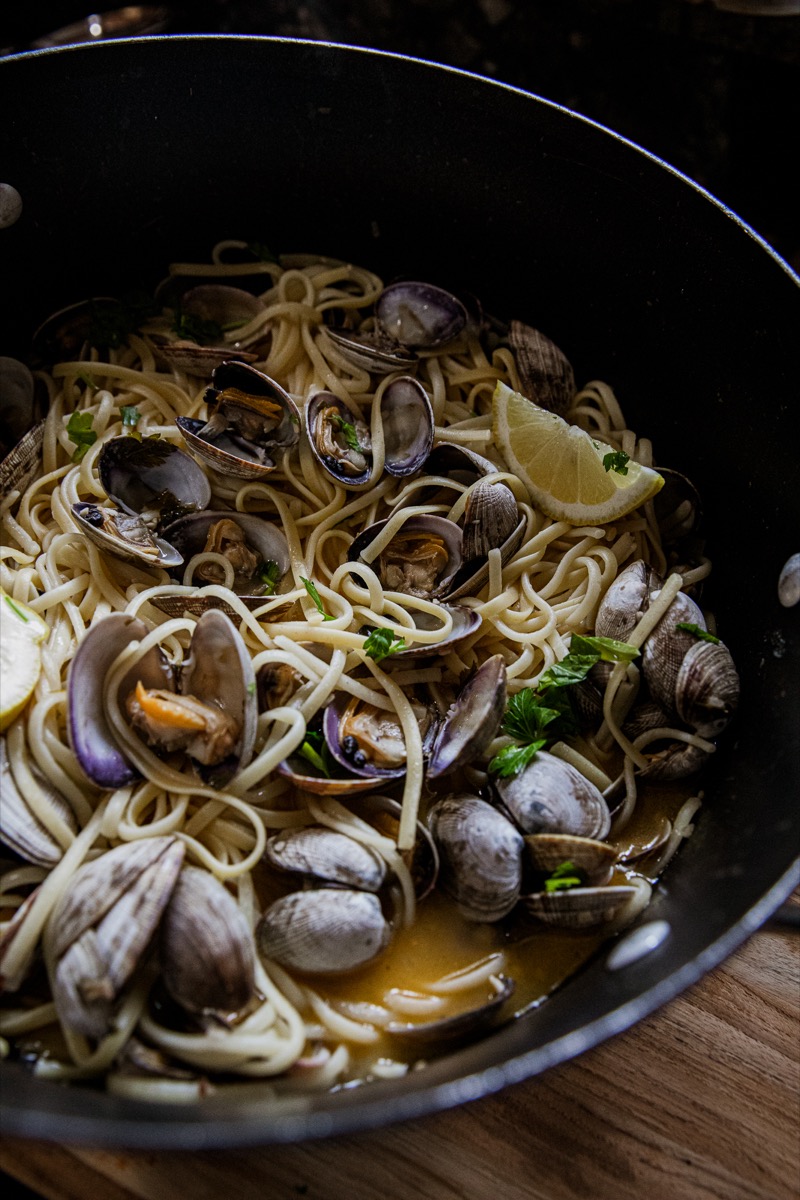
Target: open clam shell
421, 559
356, 735
152, 479
339, 439
407, 418
249, 416
124, 535
419, 315
579, 908
466, 621
214, 306
192, 534
594, 859
90, 734
468, 1024
473, 720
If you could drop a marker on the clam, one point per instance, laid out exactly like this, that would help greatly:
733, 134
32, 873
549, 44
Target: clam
545, 373
256, 549
368, 742
151, 483
551, 796
339, 439
99, 321
789, 582
125, 535
688, 676
207, 949
372, 351
204, 314
578, 907
407, 418
472, 721
593, 860
466, 621
20, 828
626, 601
467, 1024
481, 856
103, 925
207, 707
249, 416
321, 854
420, 316
326, 931
420, 560
492, 521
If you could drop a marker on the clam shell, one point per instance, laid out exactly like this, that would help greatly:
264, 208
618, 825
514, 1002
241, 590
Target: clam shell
189, 535
551, 796
627, 599
449, 1030
19, 827
322, 402
579, 908
407, 418
90, 735
545, 373
473, 720
106, 529
323, 854
666, 647
207, 949
448, 531
103, 925
707, 688
420, 315
466, 621
330, 728
481, 856
371, 352
152, 475
324, 932
220, 671
547, 852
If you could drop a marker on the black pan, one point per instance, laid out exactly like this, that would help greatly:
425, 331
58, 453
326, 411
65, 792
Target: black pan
128, 155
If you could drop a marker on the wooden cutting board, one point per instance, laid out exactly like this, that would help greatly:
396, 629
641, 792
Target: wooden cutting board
700, 1101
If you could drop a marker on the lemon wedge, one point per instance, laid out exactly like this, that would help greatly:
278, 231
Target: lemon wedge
562, 465
22, 632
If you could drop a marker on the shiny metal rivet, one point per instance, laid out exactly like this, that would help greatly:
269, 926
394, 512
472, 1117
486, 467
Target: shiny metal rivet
10, 205
789, 582
637, 944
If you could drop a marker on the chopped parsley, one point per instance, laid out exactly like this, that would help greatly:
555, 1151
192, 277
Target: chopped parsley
130, 419
261, 252
381, 643
702, 634
536, 717
617, 460
566, 875
80, 431
349, 433
195, 329
315, 596
269, 573
315, 751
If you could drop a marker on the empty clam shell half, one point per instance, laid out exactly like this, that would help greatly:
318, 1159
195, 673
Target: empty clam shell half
420, 315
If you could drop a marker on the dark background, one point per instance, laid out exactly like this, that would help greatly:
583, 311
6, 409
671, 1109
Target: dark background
714, 92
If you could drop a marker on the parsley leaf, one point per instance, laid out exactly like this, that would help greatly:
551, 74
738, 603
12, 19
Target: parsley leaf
617, 461
130, 419
79, 430
315, 751
350, 434
526, 717
608, 649
702, 634
315, 596
269, 573
381, 643
195, 329
566, 875
513, 759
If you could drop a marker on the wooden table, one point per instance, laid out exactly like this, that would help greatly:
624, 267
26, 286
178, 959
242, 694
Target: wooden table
700, 1101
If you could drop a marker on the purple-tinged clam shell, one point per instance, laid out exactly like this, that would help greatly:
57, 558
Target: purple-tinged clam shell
472, 721
407, 419
90, 735
420, 315
421, 559
125, 535
339, 439
372, 727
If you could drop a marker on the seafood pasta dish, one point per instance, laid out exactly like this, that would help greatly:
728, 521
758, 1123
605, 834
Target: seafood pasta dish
356, 681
